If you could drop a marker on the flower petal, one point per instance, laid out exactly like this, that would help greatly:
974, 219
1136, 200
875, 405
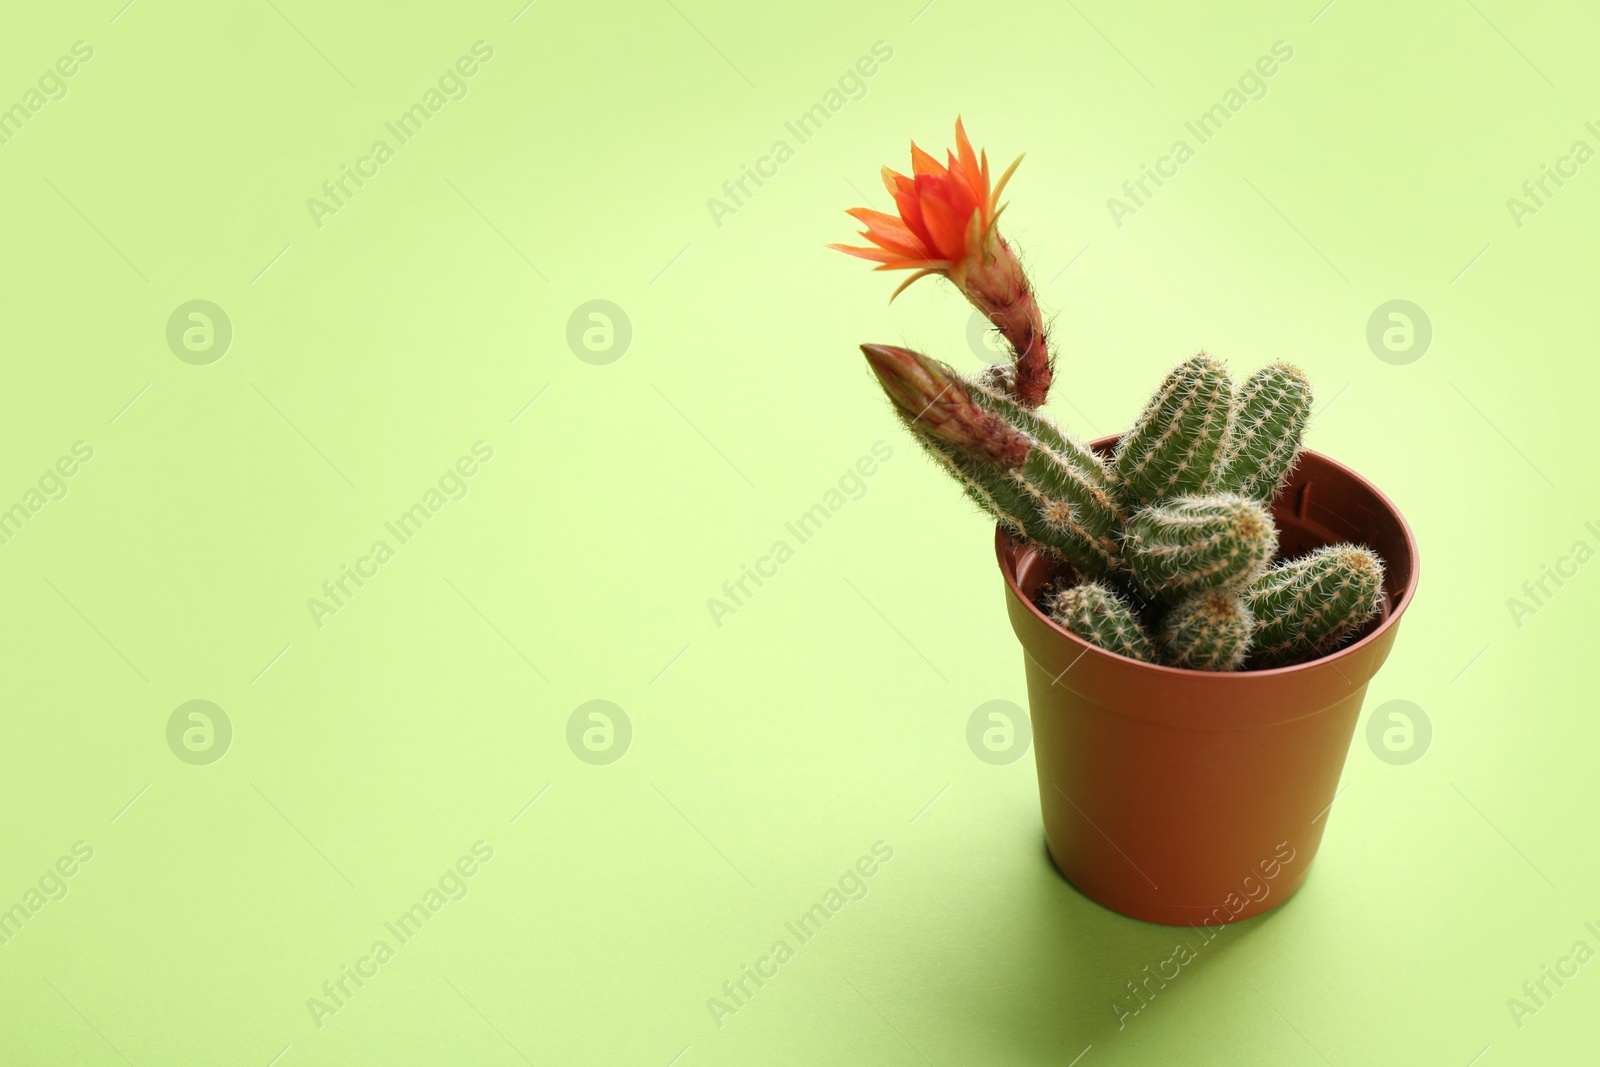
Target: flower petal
891, 179
910, 207
922, 163
907, 283
945, 218
890, 260
976, 232
970, 168
874, 219
938, 266
994, 197
888, 231
962, 189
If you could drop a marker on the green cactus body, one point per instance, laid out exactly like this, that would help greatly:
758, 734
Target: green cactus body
1207, 632
1099, 616
1068, 449
1199, 543
1174, 447
1193, 555
1016, 464
1173, 531
1061, 496
1049, 499
1306, 606
1270, 415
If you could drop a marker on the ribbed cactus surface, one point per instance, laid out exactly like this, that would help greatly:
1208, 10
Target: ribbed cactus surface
1173, 448
1198, 543
1049, 499
1172, 538
1207, 632
1098, 615
1304, 608
1270, 414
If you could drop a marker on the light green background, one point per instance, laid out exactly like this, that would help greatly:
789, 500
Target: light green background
830, 712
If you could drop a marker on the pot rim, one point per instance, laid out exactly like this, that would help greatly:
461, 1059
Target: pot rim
1004, 540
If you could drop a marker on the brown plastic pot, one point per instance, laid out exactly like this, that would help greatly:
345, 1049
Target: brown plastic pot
1195, 797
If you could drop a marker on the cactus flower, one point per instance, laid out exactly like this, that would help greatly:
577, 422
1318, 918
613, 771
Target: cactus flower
936, 404
946, 226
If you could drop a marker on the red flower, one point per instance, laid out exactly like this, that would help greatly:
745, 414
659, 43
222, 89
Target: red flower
947, 215
947, 226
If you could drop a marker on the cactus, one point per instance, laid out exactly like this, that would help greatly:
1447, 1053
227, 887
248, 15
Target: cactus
1198, 543
1304, 608
999, 378
1173, 448
1174, 531
1201, 558
1015, 463
1269, 419
1045, 500
1091, 492
1207, 632
939, 406
1101, 617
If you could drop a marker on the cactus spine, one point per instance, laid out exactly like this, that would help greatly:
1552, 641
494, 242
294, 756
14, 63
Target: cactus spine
1305, 607
1270, 415
1173, 448
998, 378
1208, 632
1098, 615
1198, 543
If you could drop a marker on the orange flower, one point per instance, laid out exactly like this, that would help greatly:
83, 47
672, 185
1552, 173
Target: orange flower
947, 215
947, 226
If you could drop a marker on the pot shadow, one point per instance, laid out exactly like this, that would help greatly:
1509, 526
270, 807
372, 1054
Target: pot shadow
1048, 974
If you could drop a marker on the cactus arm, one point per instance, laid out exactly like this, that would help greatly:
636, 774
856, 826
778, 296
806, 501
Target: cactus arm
1172, 449
1015, 463
1046, 501
1207, 632
1042, 429
1198, 543
1099, 616
1270, 416
1008, 509
1307, 606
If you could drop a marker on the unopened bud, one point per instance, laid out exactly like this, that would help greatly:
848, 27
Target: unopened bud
935, 402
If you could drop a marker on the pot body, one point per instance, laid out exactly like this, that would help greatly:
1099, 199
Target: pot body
1197, 797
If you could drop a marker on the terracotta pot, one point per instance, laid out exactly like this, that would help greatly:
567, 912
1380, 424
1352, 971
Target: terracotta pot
1193, 797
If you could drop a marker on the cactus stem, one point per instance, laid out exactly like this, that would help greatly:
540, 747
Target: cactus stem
1308, 606
1208, 632
1173, 448
1196, 543
1098, 615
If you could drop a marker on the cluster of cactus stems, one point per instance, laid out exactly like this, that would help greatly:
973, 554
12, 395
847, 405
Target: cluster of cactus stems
1169, 543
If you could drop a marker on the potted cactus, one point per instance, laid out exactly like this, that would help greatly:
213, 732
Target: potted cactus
1201, 600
